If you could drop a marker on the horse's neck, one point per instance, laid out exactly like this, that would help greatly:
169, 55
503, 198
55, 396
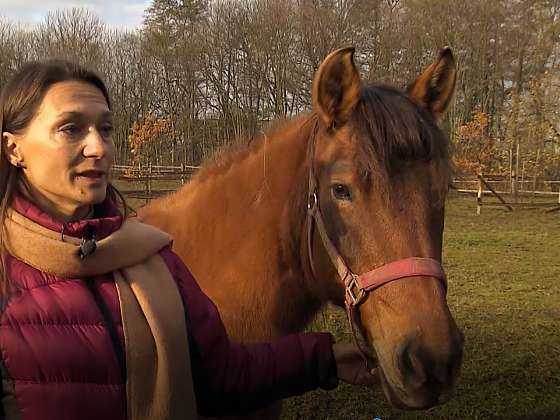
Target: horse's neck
240, 236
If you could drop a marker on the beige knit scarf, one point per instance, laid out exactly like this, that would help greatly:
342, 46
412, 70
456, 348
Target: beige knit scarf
159, 382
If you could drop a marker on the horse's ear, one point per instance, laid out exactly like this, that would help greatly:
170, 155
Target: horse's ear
435, 87
336, 87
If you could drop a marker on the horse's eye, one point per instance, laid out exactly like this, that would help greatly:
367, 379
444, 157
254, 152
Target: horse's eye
341, 192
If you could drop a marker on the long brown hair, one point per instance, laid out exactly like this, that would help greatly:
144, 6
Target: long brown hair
19, 101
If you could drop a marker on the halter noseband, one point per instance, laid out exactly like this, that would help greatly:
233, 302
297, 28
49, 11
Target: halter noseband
357, 287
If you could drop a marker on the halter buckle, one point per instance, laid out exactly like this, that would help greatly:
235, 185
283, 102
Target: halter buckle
312, 202
354, 293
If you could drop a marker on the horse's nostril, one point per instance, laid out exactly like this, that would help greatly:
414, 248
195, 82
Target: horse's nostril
428, 376
410, 363
403, 359
420, 367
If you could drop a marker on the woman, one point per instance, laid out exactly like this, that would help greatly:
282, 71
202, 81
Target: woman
99, 318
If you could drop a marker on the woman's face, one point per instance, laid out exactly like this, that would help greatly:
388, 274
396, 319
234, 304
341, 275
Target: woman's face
67, 149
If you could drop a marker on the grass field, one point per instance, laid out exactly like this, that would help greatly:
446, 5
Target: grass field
504, 291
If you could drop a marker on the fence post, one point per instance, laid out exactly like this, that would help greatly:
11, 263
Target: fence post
479, 198
182, 173
149, 182
516, 186
535, 179
493, 191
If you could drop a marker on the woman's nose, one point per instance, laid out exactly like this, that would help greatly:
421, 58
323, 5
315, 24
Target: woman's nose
96, 145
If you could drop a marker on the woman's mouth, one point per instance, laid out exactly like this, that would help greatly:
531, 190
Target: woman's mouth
91, 175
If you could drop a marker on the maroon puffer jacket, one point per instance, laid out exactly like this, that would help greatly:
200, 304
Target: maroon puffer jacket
63, 347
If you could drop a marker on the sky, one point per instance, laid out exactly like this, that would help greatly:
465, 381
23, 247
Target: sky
115, 13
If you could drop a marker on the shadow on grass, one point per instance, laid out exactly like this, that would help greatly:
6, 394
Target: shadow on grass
507, 374
539, 415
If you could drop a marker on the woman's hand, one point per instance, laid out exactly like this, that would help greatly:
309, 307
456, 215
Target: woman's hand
351, 367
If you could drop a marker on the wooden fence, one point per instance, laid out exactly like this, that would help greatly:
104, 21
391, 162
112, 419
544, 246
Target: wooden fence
529, 193
504, 185
138, 173
150, 181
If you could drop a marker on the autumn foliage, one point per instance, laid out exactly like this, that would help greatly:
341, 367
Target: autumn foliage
473, 146
145, 137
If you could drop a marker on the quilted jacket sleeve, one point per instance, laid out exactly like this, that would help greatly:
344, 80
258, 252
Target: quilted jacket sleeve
230, 378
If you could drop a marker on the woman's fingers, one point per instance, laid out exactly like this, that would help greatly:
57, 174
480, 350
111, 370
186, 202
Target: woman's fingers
351, 366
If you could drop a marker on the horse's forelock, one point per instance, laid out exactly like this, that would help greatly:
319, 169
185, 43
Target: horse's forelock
397, 132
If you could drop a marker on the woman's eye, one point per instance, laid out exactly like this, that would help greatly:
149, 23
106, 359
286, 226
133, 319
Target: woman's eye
106, 130
341, 192
71, 130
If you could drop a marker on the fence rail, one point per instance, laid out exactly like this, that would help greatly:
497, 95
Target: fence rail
506, 186
511, 192
155, 171
154, 174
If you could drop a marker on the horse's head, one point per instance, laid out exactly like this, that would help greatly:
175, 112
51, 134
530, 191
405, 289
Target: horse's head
381, 168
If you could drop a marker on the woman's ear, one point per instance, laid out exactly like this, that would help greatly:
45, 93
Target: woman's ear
11, 147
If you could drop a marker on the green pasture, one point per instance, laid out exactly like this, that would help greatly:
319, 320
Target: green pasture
504, 291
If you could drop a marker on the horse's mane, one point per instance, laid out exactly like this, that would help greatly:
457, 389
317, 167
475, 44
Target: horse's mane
222, 158
399, 130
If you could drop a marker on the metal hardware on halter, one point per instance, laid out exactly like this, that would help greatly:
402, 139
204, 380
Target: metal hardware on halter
311, 204
354, 298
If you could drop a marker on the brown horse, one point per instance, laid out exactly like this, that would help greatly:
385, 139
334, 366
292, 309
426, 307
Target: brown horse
381, 169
